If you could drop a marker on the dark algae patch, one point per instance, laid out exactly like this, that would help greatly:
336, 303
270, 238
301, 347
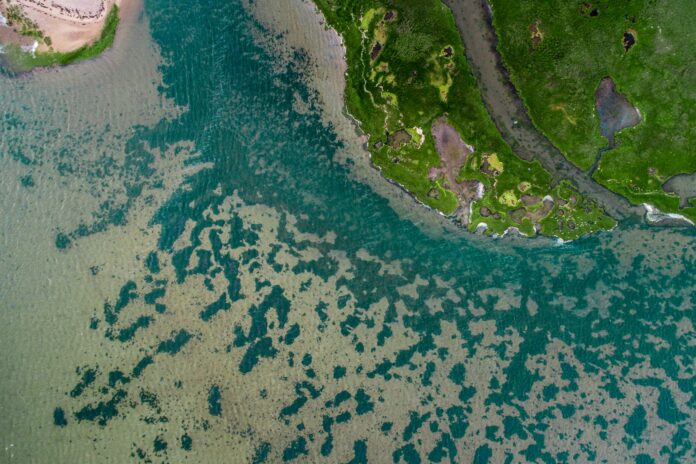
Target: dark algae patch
295, 450
129, 332
411, 89
59, 418
88, 378
213, 308
159, 445
646, 48
261, 453
186, 442
214, 404
142, 365
102, 412
152, 262
174, 344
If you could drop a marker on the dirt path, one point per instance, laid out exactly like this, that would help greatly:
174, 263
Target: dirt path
473, 18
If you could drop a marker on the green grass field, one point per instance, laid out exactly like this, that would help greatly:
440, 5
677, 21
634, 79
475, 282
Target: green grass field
21, 61
580, 43
419, 73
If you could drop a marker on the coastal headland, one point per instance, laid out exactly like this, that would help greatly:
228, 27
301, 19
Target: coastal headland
48, 32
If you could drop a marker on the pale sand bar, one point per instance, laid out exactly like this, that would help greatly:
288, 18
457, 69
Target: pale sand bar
69, 23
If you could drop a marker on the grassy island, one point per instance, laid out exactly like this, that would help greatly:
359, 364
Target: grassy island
20, 60
410, 87
561, 53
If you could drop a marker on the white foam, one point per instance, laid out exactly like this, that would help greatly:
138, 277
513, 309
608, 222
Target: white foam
653, 215
511, 231
3, 20
31, 48
419, 131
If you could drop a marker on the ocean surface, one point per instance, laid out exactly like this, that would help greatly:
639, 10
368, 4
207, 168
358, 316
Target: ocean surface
200, 265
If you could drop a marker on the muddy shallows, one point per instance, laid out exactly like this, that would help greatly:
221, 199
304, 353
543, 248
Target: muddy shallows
614, 109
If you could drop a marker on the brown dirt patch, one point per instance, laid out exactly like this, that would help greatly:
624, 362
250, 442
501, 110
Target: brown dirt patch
537, 35
398, 138
453, 153
587, 9
529, 200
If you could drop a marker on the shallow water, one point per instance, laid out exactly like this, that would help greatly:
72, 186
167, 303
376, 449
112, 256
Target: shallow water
201, 264
614, 110
683, 185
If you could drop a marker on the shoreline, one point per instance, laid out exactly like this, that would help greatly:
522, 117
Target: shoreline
619, 206
330, 90
303, 26
18, 58
326, 75
656, 217
482, 227
64, 26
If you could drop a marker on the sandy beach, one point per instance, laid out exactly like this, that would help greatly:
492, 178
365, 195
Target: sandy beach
69, 24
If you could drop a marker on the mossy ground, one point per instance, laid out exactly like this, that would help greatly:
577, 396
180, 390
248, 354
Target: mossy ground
417, 74
19, 60
582, 43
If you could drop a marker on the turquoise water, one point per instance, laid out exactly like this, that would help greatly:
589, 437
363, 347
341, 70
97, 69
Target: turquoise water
283, 310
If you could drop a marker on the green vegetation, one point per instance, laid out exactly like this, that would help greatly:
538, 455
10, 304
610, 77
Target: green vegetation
407, 69
23, 25
20, 60
557, 53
